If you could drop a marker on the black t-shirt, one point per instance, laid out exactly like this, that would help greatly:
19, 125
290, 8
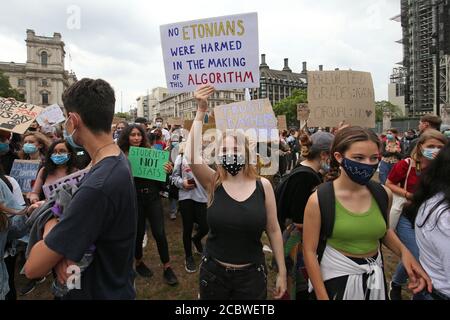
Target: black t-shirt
103, 212
300, 187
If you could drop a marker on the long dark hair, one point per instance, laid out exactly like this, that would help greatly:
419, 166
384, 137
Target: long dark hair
124, 139
342, 142
50, 167
434, 180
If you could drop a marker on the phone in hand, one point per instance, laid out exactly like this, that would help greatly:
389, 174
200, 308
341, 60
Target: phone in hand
192, 182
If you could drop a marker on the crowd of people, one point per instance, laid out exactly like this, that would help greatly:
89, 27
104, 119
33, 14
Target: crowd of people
326, 217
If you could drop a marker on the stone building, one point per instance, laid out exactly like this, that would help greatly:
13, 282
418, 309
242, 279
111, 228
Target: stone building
43, 78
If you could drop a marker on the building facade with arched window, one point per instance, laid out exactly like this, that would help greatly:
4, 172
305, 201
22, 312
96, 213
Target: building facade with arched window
43, 78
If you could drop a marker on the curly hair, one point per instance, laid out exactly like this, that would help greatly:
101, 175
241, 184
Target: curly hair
124, 139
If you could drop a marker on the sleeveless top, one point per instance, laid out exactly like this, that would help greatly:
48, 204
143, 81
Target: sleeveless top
357, 234
235, 227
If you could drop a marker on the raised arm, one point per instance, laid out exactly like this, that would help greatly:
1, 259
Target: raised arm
193, 154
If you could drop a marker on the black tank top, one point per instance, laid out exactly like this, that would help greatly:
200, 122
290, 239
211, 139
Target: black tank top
235, 228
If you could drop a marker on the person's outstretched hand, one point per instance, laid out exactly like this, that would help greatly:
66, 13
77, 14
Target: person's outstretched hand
201, 95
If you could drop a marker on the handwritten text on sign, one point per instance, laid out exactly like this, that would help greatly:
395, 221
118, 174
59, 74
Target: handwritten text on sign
148, 163
17, 116
334, 96
25, 172
50, 116
220, 51
72, 179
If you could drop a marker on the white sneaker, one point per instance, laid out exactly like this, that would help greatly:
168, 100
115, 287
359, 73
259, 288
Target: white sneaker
145, 241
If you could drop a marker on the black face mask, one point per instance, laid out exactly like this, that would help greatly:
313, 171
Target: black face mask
233, 163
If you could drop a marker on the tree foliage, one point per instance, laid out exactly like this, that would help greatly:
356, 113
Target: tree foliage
6, 91
288, 106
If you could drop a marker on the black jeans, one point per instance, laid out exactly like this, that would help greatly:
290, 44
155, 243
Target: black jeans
220, 283
193, 211
151, 210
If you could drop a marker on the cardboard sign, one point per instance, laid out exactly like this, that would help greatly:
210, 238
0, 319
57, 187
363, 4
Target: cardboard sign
72, 179
116, 120
175, 121
221, 51
148, 163
25, 172
50, 116
187, 124
255, 114
17, 116
282, 123
334, 96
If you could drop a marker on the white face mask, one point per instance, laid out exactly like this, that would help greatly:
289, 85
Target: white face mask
158, 124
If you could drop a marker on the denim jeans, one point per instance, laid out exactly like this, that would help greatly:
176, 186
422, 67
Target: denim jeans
173, 206
407, 236
385, 168
220, 283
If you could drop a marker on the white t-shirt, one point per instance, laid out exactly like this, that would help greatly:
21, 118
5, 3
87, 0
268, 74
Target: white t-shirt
433, 240
17, 192
165, 133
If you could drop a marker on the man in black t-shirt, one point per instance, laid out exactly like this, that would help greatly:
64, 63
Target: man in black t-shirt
102, 215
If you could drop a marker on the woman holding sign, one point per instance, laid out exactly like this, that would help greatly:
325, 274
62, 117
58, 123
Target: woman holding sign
241, 206
60, 161
149, 208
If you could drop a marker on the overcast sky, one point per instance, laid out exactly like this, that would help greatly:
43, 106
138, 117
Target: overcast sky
119, 40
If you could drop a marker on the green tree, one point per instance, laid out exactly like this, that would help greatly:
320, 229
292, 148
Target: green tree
6, 91
124, 115
288, 106
383, 106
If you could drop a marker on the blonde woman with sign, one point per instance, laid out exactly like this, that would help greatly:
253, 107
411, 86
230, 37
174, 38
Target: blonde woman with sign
241, 206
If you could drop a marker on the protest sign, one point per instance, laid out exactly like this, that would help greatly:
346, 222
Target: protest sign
72, 179
25, 172
148, 163
256, 115
282, 123
50, 116
16, 116
221, 51
334, 96
175, 121
187, 124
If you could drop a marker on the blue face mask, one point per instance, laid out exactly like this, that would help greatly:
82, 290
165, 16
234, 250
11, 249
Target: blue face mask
4, 147
69, 138
60, 159
358, 172
29, 148
390, 137
429, 153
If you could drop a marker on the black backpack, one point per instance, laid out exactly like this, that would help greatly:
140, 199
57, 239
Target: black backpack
327, 204
280, 190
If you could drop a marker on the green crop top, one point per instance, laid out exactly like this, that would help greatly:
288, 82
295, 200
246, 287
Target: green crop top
357, 234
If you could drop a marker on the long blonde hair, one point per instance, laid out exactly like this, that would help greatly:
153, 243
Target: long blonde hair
249, 169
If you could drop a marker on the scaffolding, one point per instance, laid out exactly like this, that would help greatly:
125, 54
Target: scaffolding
445, 81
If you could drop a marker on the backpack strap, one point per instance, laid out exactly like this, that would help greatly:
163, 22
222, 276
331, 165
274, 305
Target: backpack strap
381, 197
327, 204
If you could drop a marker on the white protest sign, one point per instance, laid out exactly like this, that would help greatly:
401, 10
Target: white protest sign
50, 116
16, 116
334, 96
256, 115
220, 51
72, 179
